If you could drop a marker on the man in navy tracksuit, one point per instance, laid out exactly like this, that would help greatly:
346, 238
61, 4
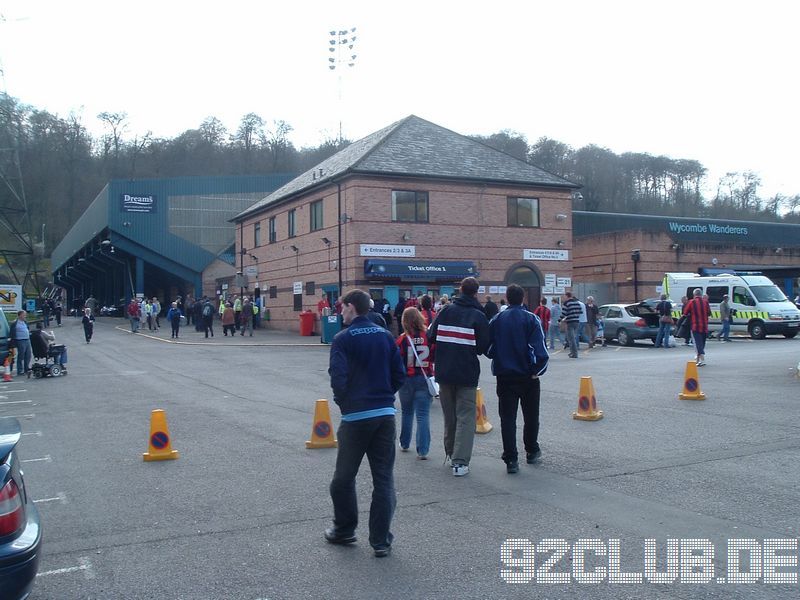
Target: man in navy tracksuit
461, 334
519, 357
366, 370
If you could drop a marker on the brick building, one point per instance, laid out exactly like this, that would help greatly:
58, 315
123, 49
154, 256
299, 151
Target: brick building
606, 245
411, 208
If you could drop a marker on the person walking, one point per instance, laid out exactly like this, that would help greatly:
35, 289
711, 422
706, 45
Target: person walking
21, 340
247, 316
490, 308
228, 320
519, 357
581, 323
174, 318
398, 314
208, 316
426, 310
415, 399
725, 315
88, 324
156, 312
58, 310
543, 313
134, 314
366, 371
237, 311
592, 312
571, 313
554, 331
698, 311
664, 310
461, 334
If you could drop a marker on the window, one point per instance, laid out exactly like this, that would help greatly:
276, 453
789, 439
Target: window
311, 288
715, 293
291, 223
410, 206
273, 232
523, 212
257, 235
614, 313
273, 291
316, 215
742, 296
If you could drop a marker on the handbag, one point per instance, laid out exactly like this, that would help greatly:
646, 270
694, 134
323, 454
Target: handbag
433, 387
666, 319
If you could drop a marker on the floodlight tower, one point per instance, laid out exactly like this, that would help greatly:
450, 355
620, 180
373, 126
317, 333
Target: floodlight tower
341, 47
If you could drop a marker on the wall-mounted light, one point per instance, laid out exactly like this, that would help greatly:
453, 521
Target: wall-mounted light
126, 223
112, 249
254, 257
778, 250
294, 248
561, 217
577, 196
675, 246
81, 259
105, 243
406, 236
560, 243
326, 241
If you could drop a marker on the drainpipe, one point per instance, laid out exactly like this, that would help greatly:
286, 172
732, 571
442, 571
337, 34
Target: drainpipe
339, 231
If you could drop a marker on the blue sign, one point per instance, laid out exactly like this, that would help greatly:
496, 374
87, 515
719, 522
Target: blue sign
30, 305
140, 204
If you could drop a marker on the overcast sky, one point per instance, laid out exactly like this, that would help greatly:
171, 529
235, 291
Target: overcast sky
711, 80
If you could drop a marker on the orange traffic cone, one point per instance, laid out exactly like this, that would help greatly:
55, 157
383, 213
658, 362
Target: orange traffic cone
482, 424
159, 445
322, 430
587, 402
691, 384
7, 368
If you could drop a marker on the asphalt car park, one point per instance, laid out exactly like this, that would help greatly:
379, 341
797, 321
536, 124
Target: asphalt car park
241, 513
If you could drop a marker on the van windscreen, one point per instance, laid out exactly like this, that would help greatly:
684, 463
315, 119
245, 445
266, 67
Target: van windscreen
768, 293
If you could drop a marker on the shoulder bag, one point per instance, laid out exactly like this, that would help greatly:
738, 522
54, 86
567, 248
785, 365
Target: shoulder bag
433, 387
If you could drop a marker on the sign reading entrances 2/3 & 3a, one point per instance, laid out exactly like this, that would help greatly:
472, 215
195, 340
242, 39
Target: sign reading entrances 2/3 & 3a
140, 204
388, 250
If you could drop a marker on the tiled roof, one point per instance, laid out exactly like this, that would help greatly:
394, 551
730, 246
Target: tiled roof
419, 148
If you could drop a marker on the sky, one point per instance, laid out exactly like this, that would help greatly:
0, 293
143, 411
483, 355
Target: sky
715, 81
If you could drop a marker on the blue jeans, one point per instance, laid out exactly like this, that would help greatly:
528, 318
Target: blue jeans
24, 356
699, 342
572, 338
375, 438
415, 399
725, 334
134, 324
553, 334
664, 329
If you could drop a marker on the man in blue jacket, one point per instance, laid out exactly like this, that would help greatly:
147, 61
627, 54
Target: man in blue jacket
519, 357
366, 370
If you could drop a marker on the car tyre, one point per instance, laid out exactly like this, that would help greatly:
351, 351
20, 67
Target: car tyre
756, 330
623, 338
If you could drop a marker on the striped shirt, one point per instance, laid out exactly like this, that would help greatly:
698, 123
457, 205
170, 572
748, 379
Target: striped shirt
572, 310
699, 311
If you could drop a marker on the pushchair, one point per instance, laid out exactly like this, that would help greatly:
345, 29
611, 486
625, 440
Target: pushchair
42, 351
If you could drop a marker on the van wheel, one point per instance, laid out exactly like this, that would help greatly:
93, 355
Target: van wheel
789, 334
756, 330
623, 338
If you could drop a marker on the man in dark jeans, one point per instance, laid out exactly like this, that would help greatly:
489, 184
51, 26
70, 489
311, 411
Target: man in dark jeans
519, 357
366, 370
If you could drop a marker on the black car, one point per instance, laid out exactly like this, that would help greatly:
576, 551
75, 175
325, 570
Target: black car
20, 529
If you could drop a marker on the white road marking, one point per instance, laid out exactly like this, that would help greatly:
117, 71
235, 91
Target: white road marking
39, 433
14, 391
17, 417
46, 458
16, 401
62, 497
85, 566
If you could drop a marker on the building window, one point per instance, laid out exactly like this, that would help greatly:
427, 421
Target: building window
291, 223
273, 291
273, 232
316, 215
523, 212
410, 206
257, 235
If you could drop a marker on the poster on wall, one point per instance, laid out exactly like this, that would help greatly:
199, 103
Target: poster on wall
11, 297
297, 287
395, 250
544, 254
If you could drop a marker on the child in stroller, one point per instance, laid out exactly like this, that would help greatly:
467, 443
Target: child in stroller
44, 348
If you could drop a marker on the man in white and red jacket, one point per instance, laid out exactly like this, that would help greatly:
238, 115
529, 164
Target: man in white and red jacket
461, 334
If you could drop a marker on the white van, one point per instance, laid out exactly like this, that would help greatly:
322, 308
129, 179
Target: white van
761, 308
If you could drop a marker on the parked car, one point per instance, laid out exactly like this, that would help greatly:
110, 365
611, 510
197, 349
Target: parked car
627, 323
20, 529
4, 335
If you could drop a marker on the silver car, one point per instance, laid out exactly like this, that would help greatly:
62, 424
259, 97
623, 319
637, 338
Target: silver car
627, 323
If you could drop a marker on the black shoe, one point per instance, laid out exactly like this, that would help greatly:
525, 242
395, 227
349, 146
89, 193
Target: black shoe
383, 552
335, 538
533, 457
512, 467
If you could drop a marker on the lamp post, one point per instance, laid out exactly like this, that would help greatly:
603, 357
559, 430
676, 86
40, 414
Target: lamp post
636, 255
342, 54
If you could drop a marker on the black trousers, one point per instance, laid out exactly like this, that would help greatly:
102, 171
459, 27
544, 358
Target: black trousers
513, 392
